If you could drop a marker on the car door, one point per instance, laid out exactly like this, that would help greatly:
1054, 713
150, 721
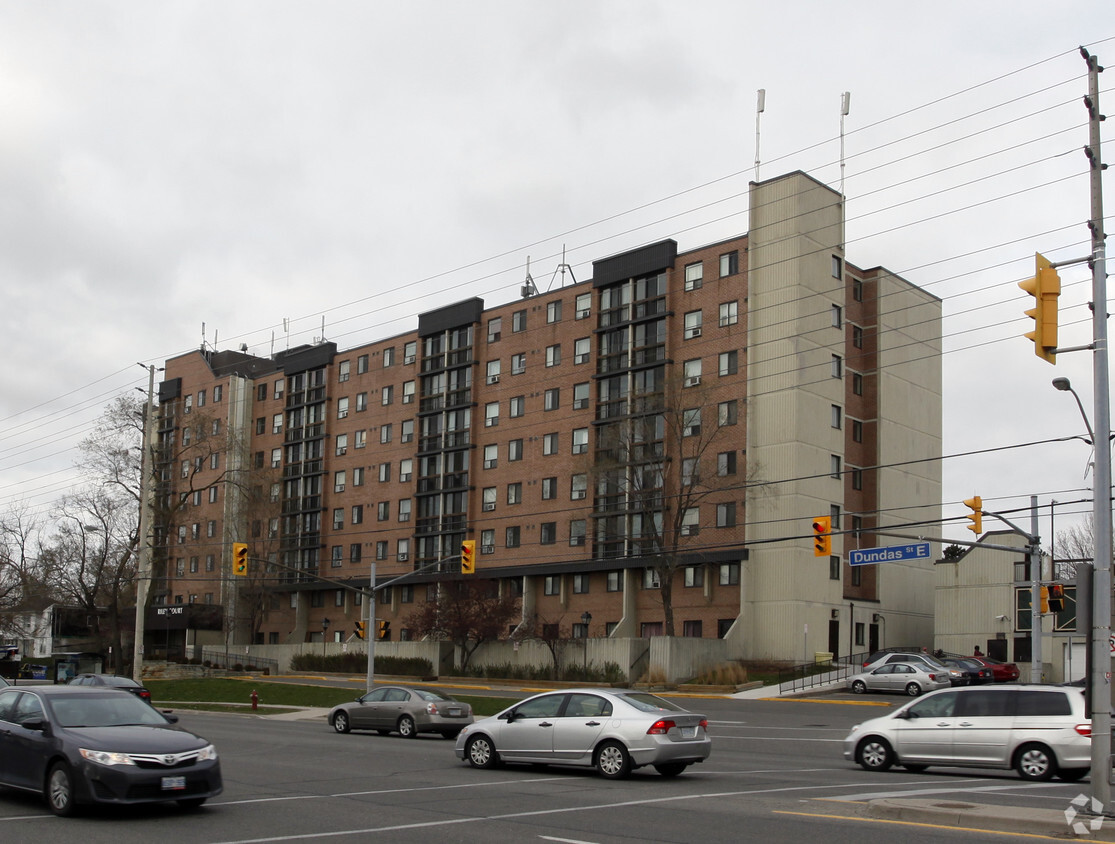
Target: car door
366, 714
34, 746
923, 732
395, 703
882, 678
984, 721
9, 761
528, 734
582, 721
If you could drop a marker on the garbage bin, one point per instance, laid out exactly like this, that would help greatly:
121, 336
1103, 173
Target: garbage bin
822, 656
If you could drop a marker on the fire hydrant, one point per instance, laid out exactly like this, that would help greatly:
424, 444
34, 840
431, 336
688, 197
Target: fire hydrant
255, 700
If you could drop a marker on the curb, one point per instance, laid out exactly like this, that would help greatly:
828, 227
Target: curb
958, 813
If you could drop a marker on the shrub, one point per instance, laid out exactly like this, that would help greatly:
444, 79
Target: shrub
357, 663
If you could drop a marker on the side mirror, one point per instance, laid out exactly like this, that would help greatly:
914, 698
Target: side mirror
37, 724
170, 716
508, 716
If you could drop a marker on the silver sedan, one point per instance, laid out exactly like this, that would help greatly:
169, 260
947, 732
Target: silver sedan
611, 730
402, 709
903, 677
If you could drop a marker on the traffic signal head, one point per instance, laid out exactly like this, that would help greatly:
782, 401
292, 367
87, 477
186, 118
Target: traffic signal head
822, 536
240, 559
1045, 599
1056, 597
1045, 287
360, 629
468, 556
976, 516
384, 630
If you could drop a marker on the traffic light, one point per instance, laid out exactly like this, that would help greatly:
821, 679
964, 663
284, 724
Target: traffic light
240, 559
822, 538
976, 516
384, 630
1045, 599
468, 556
1056, 597
1045, 287
360, 628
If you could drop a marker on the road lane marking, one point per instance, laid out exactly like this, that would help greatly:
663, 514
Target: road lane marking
923, 825
379, 791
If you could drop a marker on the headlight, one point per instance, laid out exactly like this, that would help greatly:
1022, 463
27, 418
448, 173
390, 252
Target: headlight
208, 753
103, 757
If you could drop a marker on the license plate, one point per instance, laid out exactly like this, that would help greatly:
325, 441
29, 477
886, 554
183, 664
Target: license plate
454, 712
173, 783
688, 732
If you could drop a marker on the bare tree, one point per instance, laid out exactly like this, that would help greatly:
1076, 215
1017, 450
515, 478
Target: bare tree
553, 635
1076, 544
468, 613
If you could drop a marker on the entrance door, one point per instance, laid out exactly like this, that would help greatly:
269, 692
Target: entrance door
873, 637
834, 636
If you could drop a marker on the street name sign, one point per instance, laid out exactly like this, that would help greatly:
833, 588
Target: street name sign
889, 554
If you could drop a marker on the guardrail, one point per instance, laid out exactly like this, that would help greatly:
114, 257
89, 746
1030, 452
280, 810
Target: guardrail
221, 659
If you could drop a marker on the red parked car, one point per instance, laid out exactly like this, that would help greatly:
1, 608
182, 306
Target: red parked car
1005, 672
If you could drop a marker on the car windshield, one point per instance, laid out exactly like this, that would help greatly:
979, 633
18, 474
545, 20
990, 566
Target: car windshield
650, 703
427, 694
110, 680
113, 709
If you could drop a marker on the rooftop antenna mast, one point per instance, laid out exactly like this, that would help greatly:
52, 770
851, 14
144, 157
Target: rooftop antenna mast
845, 107
203, 336
529, 288
562, 267
760, 106
286, 331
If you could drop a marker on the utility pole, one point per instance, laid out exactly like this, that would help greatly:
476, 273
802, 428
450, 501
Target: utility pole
146, 493
371, 631
1101, 513
1033, 554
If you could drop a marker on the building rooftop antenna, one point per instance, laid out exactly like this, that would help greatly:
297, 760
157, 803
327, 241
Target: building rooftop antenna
562, 267
760, 106
529, 288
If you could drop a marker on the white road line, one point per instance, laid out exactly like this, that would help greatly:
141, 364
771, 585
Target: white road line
566, 840
379, 791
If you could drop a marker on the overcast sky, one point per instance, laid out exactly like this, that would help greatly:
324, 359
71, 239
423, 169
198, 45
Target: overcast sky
165, 166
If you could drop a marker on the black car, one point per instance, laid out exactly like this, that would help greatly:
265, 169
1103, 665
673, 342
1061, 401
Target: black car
125, 683
78, 744
974, 671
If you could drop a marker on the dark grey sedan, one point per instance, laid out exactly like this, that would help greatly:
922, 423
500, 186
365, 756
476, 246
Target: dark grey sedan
80, 744
402, 709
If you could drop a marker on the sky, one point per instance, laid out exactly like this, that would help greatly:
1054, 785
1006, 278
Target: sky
269, 173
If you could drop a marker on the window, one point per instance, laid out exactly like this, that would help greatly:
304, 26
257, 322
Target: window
402, 550
383, 511
387, 395
834, 516
493, 371
218, 392
553, 311
511, 537
388, 357
518, 363
727, 413
857, 336
553, 355
339, 481
357, 514
580, 395
547, 533
651, 579
277, 423
193, 564
491, 414
488, 496
726, 463
729, 264
694, 576
385, 433
212, 495
837, 416
577, 532
857, 292
578, 487
279, 386
360, 439
553, 399
837, 316
581, 349
837, 268
857, 479
837, 366
726, 514
261, 426
580, 440
834, 466
491, 456
514, 451
384, 472
691, 422
693, 321
338, 518
343, 370
691, 521
552, 584
691, 629
495, 329
358, 476
516, 407
729, 313
410, 352
690, 471
691, 372
354, 552
857, 431
729, 574
694, 275
214, 460
404, 509
361, 364
583, 305
549, 489
857, 383
729, 363
487, 541
361, 402
342, 444
549, 444
519, 321
515, 493
381, 549
408, 392
613, 581
336, 555
342, 408
580, 584
834, 568
859, 624
406, 469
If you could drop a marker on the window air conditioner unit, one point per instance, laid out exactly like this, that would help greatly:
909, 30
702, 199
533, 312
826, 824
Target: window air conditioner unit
694, 332
493, 379
693, 381
487, 549
489, 507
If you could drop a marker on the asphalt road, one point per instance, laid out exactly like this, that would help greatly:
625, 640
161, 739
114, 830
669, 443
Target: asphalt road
776, 774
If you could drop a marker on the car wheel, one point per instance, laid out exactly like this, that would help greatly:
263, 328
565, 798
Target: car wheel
613, 761
874, 754
340, 722
913, 689
915, 769
406, 727
481, 753
859, 687
1073, 774
192, 802
671, 769
60, 790
1035, 762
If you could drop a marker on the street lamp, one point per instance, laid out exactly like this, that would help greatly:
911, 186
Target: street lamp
586, 617
324, 627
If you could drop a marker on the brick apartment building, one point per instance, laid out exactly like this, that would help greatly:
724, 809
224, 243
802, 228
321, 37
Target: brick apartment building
707, 402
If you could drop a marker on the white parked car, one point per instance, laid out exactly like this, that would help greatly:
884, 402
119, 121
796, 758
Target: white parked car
903, 677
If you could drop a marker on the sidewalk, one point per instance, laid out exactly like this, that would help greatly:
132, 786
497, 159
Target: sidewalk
1070, 822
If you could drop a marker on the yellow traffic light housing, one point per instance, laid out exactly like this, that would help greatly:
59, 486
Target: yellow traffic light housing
822, 536
360, 629
240, 559
1045, 287
384, 630
468, 556
976, 516
1045, 599
1056, 597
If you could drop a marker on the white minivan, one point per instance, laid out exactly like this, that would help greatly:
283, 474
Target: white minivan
1039, 731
